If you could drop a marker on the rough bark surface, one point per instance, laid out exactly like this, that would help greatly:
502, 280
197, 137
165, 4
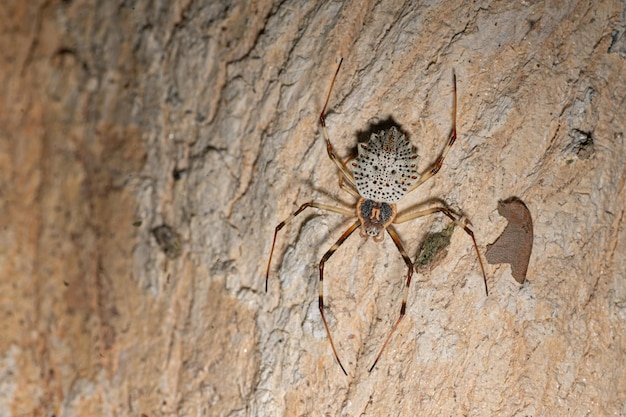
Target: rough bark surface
119, 117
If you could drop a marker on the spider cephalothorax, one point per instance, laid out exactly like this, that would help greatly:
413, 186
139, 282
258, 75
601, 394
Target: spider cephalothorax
375, 217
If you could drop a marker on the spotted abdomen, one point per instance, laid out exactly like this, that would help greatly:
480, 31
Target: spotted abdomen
385, 168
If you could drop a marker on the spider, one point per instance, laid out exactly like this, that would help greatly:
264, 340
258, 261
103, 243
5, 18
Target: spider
383, 172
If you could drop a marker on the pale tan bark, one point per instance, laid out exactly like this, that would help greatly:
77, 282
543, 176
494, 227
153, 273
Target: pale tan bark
117, 118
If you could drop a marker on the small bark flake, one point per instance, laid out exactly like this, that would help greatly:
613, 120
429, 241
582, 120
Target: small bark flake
516, 242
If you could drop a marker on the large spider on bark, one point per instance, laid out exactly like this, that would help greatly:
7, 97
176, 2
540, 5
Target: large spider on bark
383, 172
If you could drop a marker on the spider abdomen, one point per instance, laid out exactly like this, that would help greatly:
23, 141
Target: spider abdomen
385, 168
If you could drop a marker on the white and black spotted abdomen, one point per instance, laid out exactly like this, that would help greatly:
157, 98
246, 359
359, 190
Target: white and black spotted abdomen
385, 168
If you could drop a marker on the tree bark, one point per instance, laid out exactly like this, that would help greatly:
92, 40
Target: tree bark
149, 149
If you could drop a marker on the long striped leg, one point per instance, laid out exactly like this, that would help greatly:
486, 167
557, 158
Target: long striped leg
329, 147
409, 265
437, 166
326, 256
285, 222
421, 213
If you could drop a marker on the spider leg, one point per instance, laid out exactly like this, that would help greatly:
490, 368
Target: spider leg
421, 213
326, 256
346, 186
409, 264
285, 222
451, 138
345, 172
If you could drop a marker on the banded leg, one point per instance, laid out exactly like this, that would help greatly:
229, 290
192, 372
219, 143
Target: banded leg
329, 147
409, 264
421, 213
451, 139
326, 256
285, 222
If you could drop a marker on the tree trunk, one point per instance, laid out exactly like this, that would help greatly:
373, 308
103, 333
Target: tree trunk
149, 149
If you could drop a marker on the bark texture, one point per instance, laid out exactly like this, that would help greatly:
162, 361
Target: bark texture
197, 122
